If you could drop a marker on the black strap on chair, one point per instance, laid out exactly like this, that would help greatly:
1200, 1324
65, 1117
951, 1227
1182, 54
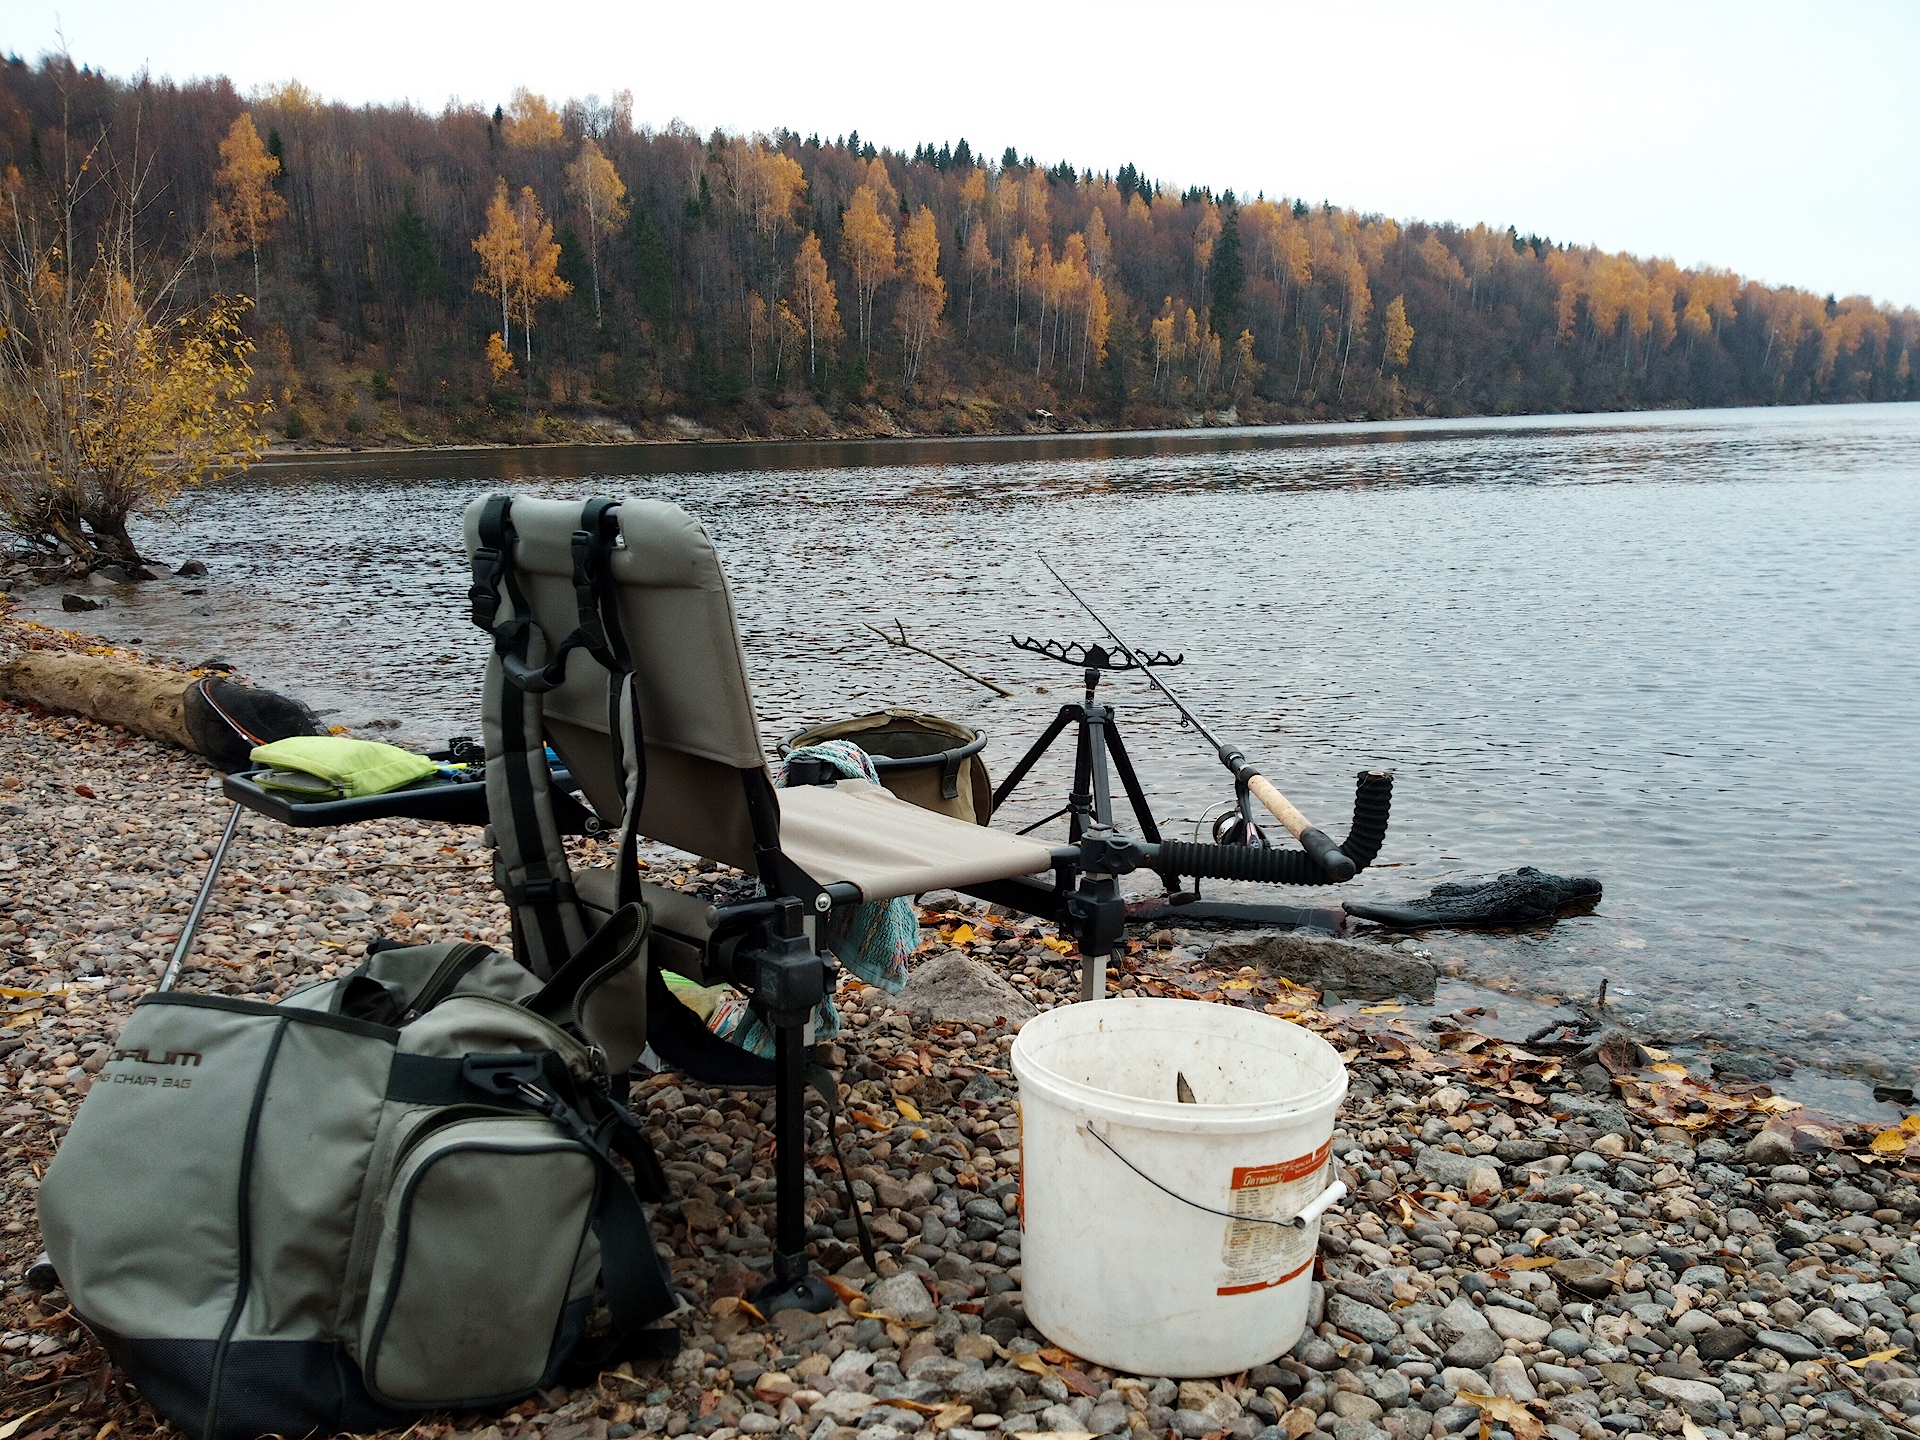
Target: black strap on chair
531, 865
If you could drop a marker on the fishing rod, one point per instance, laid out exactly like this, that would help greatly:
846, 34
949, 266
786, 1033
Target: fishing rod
1332, 860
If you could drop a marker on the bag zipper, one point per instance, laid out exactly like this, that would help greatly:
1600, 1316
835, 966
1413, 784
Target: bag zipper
450, 972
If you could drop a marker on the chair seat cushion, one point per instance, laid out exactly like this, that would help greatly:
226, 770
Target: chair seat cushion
859, 833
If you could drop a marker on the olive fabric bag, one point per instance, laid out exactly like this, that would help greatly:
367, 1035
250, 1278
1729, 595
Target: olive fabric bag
390, 1192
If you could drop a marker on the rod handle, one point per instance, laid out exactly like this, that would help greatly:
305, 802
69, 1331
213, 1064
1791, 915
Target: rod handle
1332, 860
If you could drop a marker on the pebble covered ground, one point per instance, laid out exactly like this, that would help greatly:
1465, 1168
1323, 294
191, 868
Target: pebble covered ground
1585, 1243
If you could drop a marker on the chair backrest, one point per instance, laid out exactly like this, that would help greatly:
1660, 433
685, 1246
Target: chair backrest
697, 708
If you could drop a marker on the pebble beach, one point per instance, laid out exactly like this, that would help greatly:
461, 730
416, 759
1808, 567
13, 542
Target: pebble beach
1579, 1238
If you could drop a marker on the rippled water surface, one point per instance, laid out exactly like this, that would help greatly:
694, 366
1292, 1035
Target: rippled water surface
1675, 651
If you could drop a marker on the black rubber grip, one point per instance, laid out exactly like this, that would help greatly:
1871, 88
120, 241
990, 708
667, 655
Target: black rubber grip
1372, 799
1334, 862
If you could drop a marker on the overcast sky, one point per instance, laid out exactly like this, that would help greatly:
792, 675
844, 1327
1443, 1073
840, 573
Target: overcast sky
1779, 140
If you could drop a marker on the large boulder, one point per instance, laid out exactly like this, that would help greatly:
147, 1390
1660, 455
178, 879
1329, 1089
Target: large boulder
957, 989
1371, 972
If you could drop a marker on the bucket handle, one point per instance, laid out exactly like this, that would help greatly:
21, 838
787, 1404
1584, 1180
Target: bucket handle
1312, 1211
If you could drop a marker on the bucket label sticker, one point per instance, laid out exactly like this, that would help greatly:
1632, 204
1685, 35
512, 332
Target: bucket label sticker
1259, 1256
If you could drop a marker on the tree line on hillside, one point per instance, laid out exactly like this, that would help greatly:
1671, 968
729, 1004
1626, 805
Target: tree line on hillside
539, 270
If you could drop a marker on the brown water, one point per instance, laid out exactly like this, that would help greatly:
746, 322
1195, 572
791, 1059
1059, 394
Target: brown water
1675, 651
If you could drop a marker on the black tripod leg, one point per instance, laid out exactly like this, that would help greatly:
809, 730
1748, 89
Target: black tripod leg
1080, 800
1130, 782
1067, 714
791, 1287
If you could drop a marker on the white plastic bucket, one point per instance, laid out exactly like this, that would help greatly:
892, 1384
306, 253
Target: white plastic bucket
1117, 1269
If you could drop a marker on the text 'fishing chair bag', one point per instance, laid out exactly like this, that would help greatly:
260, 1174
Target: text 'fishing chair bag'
391, 1192
927, 760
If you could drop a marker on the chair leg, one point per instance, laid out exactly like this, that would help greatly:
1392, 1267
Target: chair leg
192, 927
791, 1287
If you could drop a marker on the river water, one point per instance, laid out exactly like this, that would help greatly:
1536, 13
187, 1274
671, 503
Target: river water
1680, 652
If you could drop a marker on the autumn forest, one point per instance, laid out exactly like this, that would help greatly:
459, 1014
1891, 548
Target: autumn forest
546, 271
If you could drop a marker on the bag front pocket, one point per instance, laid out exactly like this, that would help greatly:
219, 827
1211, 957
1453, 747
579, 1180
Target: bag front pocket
479, 1254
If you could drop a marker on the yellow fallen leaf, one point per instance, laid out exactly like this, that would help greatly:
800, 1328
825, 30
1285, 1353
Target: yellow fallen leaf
1381, 1009
753, 1310
1678, 1072
1891, 1142
25, 1017
960, 935
1032, 1364
948, 1416
12, 994
1866, 1360
1657, 1054
1056, 944
1238, 985
1511, 1413
1532, 1262
1777, 1104
1912, 1123
905, 1107
8, 1430
1691, 1431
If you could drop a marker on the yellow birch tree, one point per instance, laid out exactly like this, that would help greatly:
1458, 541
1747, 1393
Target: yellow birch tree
926, 293
866, 244
592, 180
503, 259
813, 293
540, 276
246, 204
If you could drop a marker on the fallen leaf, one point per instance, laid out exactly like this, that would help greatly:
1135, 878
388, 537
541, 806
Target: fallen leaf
1656, 1054
1299, 1421
85, 792
12, 1427
1912, 1122
872, 1122
1059, 946
1511, 1413
1866, 1360
25, 1017
919, 1407
1032, 1364
1891, 1142
1382, 1009
1678, 1072
1690, 1430
839, 1287
1077, 1382
948, 1416
753, 1310
905, 1107
960, 935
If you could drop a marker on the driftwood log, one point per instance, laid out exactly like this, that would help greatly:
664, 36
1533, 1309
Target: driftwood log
145, 699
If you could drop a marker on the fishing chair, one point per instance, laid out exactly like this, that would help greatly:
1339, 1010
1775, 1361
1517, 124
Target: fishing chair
615, 644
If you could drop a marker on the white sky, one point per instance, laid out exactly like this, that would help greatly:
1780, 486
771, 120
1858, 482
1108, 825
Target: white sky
1781, 140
